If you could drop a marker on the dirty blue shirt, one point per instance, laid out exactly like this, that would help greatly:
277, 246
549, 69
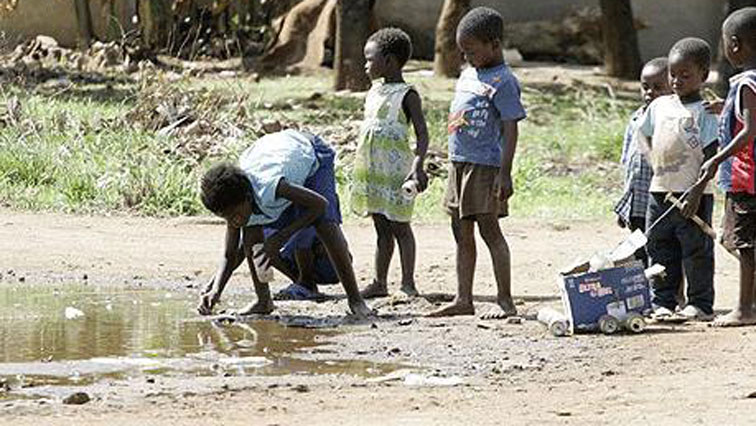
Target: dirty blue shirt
284, 155
483, 98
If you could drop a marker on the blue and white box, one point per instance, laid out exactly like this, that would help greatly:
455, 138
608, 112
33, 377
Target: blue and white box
617, 291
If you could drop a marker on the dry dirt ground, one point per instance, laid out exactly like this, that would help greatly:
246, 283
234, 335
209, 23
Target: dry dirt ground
509, 373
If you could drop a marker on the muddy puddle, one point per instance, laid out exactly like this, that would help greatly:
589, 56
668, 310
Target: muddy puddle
77, 335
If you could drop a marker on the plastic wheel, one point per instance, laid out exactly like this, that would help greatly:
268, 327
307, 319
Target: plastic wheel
608, 324
635, 323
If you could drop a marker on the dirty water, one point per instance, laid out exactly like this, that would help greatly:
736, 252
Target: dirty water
79, 334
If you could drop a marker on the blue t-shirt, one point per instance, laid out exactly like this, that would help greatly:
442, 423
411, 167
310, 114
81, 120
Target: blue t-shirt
284, 155
482, 100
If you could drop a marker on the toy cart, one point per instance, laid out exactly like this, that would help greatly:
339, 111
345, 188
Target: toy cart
607, 300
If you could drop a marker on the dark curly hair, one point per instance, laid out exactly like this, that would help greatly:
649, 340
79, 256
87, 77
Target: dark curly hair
695, 49
742, 24
394, 42
482, 23
660, 64
223, 186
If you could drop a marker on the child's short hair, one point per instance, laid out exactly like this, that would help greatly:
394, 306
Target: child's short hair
394, 42
660, 64
695, 49
482, 23
224, 186
742, 24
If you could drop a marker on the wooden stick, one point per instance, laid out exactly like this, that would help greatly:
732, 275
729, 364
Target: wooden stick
701, 224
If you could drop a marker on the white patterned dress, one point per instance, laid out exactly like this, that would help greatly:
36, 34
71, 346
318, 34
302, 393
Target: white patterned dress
384, 155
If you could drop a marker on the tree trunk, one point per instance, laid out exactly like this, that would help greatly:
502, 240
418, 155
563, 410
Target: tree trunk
155, 22
721, 65
83, 23
621, 54
447, 58
352, 30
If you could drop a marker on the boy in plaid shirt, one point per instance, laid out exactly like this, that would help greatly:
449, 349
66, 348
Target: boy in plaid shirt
631, 208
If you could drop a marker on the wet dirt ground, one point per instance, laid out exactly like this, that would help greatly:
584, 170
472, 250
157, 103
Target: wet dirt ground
145, 357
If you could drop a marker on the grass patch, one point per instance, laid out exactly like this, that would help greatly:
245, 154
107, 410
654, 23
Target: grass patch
98, 149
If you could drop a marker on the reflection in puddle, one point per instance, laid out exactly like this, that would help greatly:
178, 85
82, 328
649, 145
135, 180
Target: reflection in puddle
141, 332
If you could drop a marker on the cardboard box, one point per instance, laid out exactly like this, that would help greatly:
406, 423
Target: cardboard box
616, 291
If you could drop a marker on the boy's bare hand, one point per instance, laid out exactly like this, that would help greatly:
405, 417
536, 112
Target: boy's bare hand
503, 186
272, 248
421, 178
207, 301
713, 107
692, 201
708, 170
620, 222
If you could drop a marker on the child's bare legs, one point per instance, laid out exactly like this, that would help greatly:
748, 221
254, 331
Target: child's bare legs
405, 238
335, 244
384, 250
388, 231
488, 225
464, 235
744, 313
306, 265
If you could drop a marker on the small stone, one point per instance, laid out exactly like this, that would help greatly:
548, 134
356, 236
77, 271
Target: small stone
483, 326
514, 320
407, 321
563, 413
21, 279
150, 380
301, 388
77, 398
85, 277
751, 395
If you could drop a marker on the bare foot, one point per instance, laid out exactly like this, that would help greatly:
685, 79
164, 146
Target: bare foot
409, 290
256, 308
360, 309
501, 310
454, 309
736, 318
373, 290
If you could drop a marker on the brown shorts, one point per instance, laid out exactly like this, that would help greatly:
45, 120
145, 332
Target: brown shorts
739, 222
470, 191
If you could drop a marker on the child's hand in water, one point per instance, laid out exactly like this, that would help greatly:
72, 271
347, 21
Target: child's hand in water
714, 106
208, 300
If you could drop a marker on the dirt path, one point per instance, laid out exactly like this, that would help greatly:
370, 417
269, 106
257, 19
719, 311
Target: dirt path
510, 373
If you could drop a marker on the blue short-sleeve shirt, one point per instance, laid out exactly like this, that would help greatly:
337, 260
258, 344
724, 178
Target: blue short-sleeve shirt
284, 155
483, 98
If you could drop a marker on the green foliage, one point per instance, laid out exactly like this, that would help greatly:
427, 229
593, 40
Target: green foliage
97, 149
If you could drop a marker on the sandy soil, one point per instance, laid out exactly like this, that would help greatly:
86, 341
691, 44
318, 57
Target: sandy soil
509, 373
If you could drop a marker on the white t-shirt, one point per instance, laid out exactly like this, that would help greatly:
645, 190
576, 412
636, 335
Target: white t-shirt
678, 133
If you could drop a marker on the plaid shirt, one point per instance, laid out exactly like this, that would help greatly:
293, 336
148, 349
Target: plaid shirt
638, 174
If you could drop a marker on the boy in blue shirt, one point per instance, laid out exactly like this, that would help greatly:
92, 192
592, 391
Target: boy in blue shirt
284, 182
482, 140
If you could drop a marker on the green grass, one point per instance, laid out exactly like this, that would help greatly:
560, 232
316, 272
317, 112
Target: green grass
96, 149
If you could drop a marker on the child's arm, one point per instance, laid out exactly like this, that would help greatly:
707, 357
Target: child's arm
503, 184
746, 135
313, 202
228, 263
692, 201
413, 109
